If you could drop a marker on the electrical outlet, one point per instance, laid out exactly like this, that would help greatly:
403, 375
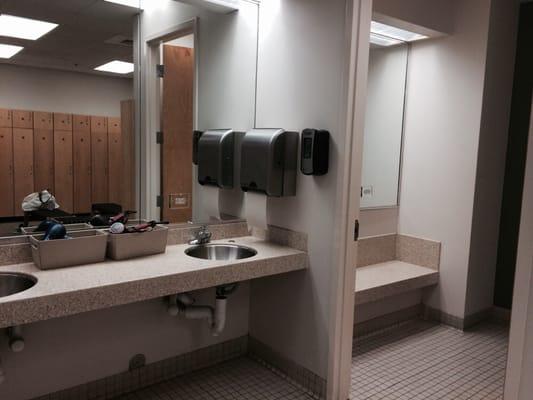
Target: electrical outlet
367, 192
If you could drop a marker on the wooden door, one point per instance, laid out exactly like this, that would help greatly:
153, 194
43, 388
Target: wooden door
115, 160
43, 146
99, 160
63, 170
177, 121
22, 166
81, 138
22, 119
62, 122
127, 122
6, 170
6, 120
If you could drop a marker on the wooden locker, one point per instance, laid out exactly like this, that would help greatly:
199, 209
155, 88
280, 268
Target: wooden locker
82, 163
127, 125
22, 119
6, 120
22, 166
99, 161
63, 170
6, 171
62, 122
115, 157
43, 146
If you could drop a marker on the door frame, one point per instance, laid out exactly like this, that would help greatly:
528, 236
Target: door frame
359, 15
151, 107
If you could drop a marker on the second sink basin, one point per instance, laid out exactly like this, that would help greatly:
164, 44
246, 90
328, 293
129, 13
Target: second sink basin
222, 252
11, 283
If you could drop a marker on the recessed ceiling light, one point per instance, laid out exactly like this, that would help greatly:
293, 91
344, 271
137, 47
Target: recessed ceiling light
383, 40
394, 33
127, 3
117, 67
24, 28
8, 50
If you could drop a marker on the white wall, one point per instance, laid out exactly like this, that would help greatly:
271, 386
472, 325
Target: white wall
384, 125
40, 89
445, 93
300, 85
518, 383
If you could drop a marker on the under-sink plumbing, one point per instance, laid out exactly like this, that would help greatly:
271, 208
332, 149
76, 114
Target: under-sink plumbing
183, 304
16, 344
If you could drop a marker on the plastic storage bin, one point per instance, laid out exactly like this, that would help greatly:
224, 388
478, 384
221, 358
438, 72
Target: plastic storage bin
30, 230
83, 247
122, 246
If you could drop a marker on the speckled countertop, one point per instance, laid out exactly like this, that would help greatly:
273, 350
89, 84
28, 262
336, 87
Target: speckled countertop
73, 290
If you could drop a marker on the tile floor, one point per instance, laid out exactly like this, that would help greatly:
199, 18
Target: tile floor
239, 379
425, 361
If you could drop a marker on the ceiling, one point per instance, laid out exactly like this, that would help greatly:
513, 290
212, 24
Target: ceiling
90, 33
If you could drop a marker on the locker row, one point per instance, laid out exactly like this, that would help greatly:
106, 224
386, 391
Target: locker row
78, 158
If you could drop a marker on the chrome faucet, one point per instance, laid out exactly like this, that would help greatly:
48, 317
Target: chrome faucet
203, 236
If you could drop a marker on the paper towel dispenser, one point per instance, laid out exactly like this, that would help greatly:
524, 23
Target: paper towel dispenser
215, 158
269, 162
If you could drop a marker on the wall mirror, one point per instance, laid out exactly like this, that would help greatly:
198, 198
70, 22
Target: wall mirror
199, 73
67, 109
387, 74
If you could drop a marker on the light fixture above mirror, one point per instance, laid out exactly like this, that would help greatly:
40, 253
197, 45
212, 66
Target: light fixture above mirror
387, 35
24, 28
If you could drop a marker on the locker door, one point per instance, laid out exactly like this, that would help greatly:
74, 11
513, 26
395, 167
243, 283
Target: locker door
62, 122
43, 146
6, 120
22, 166
82, 163
115, 157
99, 161
63, 177
22, 119
6, 172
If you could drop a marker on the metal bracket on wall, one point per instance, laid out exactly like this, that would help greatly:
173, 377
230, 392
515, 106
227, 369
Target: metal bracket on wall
160, 70
159, 137
159, 201
356, 231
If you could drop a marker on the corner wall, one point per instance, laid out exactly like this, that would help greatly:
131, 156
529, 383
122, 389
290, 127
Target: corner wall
302, 48
443, 119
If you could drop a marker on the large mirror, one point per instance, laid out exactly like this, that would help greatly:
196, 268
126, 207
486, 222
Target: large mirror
100, 106
67, 111
384, 123
199, 73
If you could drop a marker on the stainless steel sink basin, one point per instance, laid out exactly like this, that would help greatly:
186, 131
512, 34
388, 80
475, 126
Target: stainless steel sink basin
222, 252
11, 283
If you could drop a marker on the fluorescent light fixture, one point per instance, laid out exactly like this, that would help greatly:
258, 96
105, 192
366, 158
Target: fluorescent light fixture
383, 40
127, 3
8, 50
24, 28
117, 67
394, 33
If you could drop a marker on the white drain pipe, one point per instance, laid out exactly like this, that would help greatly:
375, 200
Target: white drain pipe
216, 318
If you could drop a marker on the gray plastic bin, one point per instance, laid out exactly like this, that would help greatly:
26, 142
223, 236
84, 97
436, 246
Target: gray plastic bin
83, 247
30, 230
122, 246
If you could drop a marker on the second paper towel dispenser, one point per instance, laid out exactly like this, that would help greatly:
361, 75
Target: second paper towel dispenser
215, 158
268, 162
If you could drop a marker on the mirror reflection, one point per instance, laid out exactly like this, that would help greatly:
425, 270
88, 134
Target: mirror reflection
67, 137
199, 71
387, 72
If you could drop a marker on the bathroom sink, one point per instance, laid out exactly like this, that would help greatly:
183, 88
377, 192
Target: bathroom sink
11, 283
222, 252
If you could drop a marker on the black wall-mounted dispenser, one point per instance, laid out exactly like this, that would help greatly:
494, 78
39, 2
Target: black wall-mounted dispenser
314, 152
269, 162
216, 158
